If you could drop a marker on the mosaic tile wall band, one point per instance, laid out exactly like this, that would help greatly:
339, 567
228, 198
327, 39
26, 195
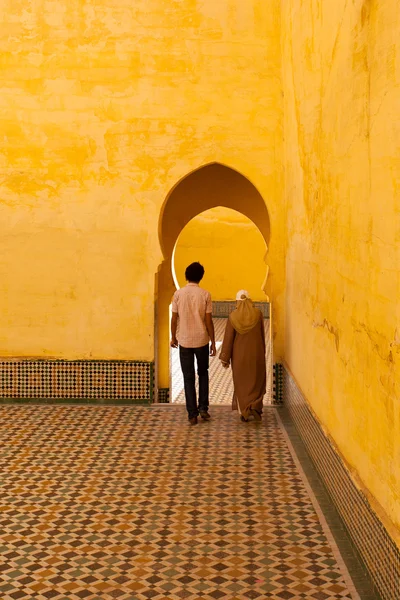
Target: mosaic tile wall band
81, 379
278, 384
163, 395
374, 544
222, 310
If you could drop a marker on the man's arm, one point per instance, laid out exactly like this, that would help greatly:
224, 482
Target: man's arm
211, 333
174, 326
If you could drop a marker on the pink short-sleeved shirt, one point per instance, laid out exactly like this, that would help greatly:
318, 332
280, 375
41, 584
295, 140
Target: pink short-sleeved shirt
192, 303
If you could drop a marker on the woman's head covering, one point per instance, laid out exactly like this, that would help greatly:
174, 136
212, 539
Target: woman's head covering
245, 317
242, 295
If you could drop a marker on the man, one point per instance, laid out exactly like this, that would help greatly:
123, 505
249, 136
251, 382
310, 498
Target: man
192, 306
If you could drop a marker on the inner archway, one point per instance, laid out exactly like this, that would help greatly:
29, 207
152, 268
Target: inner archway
211, 186
232, 250
230, 247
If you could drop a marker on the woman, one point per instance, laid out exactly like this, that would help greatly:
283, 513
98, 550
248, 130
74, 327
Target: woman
244, 348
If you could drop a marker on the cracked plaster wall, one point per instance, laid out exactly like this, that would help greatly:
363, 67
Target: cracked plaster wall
341, 70
105, 105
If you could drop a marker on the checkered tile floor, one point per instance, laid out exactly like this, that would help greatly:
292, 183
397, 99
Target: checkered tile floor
221, 387
132, 503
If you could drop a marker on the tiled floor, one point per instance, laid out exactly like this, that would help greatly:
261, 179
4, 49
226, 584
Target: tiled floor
132, 503
221, 388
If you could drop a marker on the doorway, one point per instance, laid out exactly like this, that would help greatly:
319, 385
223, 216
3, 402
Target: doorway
212, 206
221, 386
232, 250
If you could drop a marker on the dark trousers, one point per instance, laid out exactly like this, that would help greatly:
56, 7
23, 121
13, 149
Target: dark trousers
189, 378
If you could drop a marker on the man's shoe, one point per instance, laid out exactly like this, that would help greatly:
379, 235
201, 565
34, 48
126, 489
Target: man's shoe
193, 421
205, 416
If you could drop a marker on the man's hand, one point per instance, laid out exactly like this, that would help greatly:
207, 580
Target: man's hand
211, 333
174, 328
225, 365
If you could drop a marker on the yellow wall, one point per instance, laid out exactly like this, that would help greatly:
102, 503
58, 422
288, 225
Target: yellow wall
105, 106
231, 249
341, 65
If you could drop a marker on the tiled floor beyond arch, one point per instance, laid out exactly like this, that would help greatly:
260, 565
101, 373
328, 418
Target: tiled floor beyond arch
132, 503
221, 385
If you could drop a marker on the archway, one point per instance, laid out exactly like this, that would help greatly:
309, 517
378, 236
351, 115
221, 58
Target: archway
210, 186
231, 248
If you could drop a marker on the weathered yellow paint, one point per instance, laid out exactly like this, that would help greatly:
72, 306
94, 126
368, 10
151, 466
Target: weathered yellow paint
105, 106
230, 247
341, 65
